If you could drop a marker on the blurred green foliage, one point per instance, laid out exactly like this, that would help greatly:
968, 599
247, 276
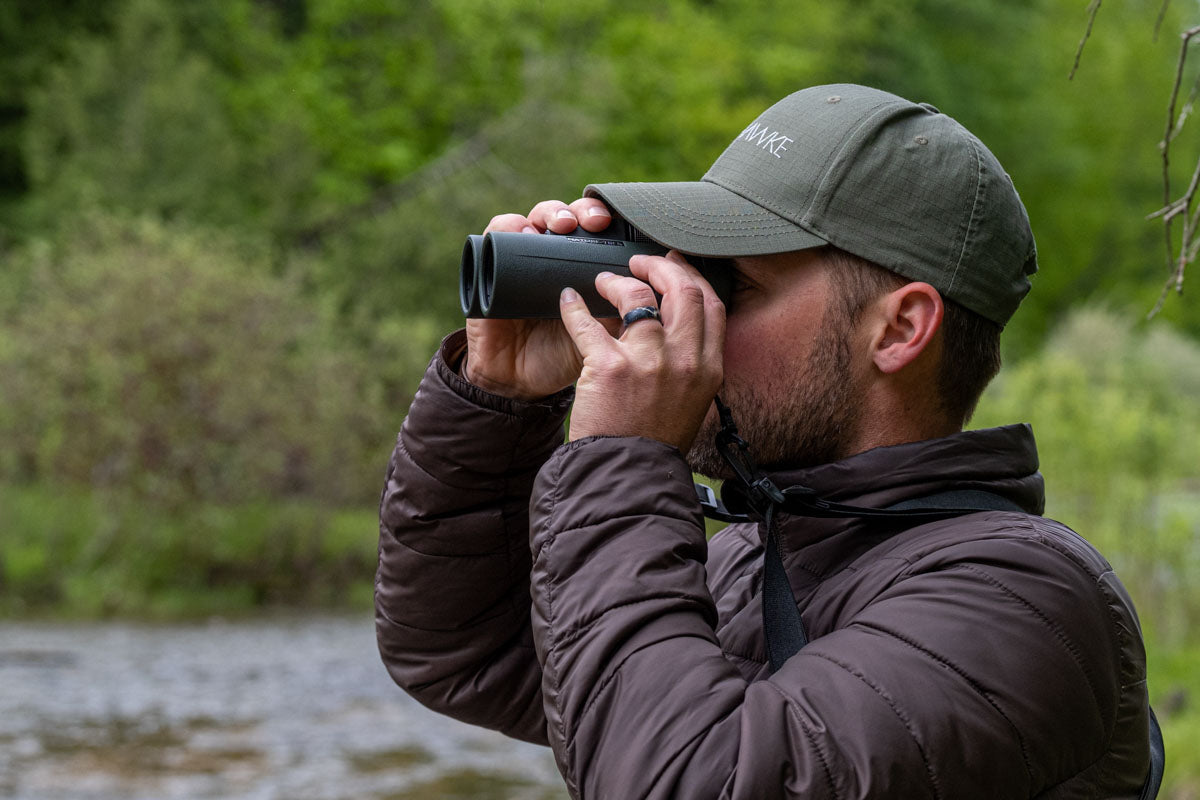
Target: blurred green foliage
1115, 414
359, 141
168, 363
98, 553
1113, 406
229, 237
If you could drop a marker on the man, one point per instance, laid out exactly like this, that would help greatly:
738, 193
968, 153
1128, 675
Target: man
879, 248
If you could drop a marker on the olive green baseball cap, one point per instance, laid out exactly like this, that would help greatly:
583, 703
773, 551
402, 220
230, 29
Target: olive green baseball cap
895, 182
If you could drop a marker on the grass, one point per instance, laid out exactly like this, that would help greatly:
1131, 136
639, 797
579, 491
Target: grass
80, 554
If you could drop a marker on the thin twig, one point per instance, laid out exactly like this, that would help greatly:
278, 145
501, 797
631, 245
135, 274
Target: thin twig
1162, 13
1169, 134
1092, 9
1186, 38
1186, 111
500, 171
1177, 207
1168, 212
1188, 245
453, 161
1191, 257
1175, 281
1189, 225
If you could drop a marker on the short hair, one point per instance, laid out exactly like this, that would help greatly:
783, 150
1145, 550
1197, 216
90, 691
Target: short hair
970, 342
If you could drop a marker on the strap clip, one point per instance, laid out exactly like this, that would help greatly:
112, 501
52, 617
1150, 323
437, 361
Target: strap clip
760, 492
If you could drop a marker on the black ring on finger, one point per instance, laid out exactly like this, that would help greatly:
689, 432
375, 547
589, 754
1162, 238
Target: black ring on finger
640, 313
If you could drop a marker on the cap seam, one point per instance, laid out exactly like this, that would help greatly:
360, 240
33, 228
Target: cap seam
759, 202
971, 219
663, 201
805, 224
805, 215
736, 234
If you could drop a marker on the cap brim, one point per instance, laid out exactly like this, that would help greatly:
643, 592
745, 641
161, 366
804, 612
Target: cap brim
702, 218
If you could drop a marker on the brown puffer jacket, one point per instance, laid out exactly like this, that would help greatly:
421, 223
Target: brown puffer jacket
992, 655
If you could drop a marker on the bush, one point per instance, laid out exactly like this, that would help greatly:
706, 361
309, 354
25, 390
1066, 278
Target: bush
83, 553
1114, 410
169, 364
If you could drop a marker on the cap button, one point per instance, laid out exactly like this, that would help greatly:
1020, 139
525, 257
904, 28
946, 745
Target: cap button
921, 139
833, 99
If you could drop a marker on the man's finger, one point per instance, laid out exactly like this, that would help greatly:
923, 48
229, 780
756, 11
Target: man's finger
592, 214
683, 293
553, 215
671, 271
625, 293
510, 223
589, 335
714, 330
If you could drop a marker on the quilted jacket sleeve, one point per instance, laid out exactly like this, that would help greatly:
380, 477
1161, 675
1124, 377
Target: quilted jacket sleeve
641, 703
452, 589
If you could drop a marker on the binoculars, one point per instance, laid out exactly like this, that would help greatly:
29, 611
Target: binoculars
520, 275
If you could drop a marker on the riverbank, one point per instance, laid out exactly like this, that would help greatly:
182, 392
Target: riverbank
288, 706
72, 559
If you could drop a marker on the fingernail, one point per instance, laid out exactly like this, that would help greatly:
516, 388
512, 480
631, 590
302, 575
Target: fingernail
529, 229
598, 212
564, 213
606, 275
569, 295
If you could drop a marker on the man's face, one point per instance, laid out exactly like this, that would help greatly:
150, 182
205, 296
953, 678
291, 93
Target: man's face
790, 379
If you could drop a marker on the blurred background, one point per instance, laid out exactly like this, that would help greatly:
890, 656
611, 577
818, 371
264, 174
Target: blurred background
229, 241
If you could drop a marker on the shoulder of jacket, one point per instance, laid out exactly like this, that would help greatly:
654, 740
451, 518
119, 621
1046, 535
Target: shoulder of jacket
1042, 565
1037, 539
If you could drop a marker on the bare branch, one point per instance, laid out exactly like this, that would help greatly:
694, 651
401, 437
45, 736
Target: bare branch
1186, 111
1092, 9
1189, 225
464, 155
1189, 245
1191, 256
1162, 13
1168, 212
1186, 36
1175, 282
1174, 209
1162, 298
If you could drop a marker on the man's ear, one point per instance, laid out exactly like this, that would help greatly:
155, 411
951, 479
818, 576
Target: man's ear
905, 322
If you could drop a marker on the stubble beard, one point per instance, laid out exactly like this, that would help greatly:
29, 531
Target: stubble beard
790, 421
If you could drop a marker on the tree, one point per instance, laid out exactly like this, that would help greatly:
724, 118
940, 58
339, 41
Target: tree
1174, 207
161, 361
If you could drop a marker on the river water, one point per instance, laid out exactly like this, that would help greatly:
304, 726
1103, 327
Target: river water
271, 709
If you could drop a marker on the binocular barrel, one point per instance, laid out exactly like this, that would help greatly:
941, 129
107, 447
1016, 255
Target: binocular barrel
520, 275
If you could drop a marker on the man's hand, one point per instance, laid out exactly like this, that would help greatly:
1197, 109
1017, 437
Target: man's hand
655, 380
528, 359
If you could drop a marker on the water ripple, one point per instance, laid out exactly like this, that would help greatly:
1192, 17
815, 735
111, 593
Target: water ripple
299, 709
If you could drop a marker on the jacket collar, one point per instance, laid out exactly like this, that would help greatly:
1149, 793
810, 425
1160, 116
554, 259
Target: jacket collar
1002, 460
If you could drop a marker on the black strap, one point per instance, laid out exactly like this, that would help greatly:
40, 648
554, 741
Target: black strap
757, 497
784, 632
783, 627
